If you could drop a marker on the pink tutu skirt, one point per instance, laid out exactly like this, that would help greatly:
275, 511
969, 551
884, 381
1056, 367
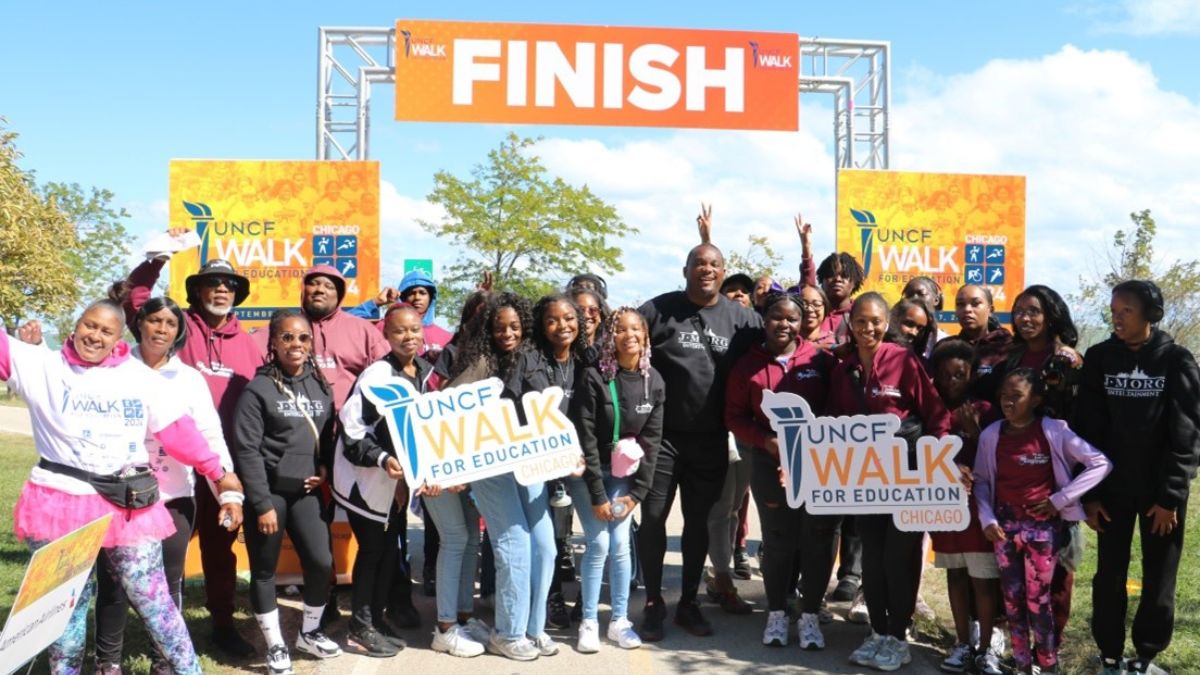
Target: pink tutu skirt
44, 514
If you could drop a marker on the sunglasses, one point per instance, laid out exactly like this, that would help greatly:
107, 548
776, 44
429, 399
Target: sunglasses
289, 338
217, 282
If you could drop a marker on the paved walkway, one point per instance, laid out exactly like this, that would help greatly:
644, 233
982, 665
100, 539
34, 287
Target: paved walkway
15, 420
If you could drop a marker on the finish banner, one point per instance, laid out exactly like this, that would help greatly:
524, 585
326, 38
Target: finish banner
273, 220
465, 433
956, 229
456, 71
857, 464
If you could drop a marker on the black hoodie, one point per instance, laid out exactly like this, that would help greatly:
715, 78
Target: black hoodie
1142, 409
694, 370
641, 403
274, 447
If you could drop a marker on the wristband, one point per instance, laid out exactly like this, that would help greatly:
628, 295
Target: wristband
231, 497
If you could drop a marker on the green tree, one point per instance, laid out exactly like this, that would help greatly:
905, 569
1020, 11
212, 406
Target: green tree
99, 256
758, 260
36, 276
1132, 256
530, 230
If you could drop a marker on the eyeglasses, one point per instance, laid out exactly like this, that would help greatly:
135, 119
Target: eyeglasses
591, 311
302, 338
812, 304
217, 282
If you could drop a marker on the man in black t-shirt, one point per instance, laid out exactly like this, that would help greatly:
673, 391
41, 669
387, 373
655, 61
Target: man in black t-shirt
696, 335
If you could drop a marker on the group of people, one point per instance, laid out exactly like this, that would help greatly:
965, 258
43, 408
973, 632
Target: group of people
271, 429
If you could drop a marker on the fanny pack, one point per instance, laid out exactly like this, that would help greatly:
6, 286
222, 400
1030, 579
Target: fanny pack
135, 489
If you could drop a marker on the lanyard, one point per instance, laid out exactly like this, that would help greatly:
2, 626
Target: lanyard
612, 388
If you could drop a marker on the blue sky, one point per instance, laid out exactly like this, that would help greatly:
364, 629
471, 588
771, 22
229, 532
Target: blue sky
1097, 102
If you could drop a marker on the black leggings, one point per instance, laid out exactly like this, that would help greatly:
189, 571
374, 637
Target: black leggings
891, 569
303, 519
787, 532
695, 465
375, 565
112, 607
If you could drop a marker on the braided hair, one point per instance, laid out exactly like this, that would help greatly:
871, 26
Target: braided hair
608, 348
273, 369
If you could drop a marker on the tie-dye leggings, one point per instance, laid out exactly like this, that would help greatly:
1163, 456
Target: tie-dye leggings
1027, 558
139, 570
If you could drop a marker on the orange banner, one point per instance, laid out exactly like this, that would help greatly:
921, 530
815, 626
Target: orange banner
956, 229
454, 71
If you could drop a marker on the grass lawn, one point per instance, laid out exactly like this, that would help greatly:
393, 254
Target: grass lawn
17, 455
1078, 654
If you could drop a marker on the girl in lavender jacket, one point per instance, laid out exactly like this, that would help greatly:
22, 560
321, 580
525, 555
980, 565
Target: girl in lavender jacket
1024, 489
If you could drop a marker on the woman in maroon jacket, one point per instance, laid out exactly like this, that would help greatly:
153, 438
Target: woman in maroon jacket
784, 362
879, 378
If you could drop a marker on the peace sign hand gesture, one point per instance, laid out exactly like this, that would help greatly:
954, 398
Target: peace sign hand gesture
704, 223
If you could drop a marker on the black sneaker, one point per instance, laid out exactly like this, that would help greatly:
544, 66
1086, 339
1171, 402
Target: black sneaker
845, 591
741, 565
652, 621
228, 640
367, 641
557, 615
404, 615
689, 618
577, 608
385, 629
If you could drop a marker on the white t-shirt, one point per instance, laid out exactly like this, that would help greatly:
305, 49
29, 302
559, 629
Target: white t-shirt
92, 418
188, 387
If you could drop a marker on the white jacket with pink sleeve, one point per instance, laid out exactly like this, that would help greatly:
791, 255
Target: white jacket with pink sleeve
1066, 451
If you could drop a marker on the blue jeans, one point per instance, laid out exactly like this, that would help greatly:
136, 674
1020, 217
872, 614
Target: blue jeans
604, 540
522, 535
457, 522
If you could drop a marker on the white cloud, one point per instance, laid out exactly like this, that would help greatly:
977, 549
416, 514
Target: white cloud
1147, 17
1093, 132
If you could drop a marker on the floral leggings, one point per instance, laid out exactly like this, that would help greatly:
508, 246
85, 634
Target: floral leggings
139, 570
1027, 558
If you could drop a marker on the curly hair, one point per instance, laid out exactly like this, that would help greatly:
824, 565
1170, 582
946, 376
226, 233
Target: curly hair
542, 342
477, 341
1056, 312
608, 348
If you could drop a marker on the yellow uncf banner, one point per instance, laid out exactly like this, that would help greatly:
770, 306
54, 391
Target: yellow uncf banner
274, 220
956, 229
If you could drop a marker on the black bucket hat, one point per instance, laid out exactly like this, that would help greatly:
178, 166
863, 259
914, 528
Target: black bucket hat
218, 268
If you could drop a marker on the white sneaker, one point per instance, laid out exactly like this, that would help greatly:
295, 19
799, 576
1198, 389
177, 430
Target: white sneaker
455, 642
858, 610
959, 659
776, 632
279, 662
521, 649
865, 654
589, 637
809, 627
546, 645
478, 630
988, 663
621, 632
892, 654
316, 644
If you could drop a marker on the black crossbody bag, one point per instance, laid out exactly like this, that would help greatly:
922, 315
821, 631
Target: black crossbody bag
133, 490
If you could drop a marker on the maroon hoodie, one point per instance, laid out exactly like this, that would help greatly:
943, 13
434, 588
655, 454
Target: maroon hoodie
227, 356
898, 385
343, 344
806, 373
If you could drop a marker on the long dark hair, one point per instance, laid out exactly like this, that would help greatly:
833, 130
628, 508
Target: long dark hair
273, 369
477, 343
1056, 313
542, 342
605, 312
919, 344
154, 306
